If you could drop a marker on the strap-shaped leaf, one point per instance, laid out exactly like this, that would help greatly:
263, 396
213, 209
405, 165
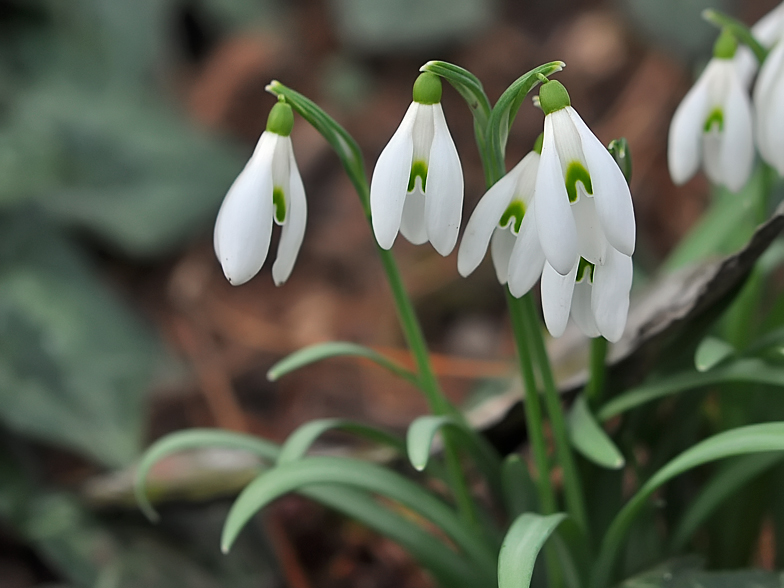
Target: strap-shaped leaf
719, 488
344, 144
321, 351
301, 440
521, 546
519, 489
588, 437
752, 370
740, 441
419, 441
711, 352
194, 439
505, 110
301, 474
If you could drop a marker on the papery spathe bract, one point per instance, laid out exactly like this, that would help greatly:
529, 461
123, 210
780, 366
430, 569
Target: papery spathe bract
269, 189
769, 105
499, 220
712, 126
417, 184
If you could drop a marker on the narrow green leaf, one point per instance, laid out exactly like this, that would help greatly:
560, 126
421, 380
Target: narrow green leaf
300, 474
588, 437
739, 30
752, 370
342, 142
194, 439
740, 441
720, 487
321, 351
419, 441
300, 441
711, 352
505, 110
519, 489
521, 546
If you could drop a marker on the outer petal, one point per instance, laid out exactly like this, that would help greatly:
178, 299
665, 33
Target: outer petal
737, 147
412, 223
590, 236
767, 101
244, 224
501, 250
483, 222
770, 28
527, 260
581, 309
554, 219
610, 190
685, 139
390, 180
610, 299
293, 230
557, 298
444, 190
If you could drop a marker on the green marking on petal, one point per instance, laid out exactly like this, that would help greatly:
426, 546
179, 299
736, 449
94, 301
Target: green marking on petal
576, 172
716, 117
583, 268
279, 202
513, 215
418, 170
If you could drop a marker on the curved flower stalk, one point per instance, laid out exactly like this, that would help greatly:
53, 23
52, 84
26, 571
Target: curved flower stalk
504, 215
269, 189
769, 104
767, 30
585, 223
713, 124
417, 184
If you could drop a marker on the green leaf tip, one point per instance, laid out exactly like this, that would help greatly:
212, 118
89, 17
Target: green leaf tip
281, 119
553, 96
427, 88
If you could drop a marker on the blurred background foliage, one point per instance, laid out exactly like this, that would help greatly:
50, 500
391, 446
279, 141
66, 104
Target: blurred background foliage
122, 124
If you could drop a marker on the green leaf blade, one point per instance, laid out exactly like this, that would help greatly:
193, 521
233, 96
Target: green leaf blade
711, 352
521, 546
588, 437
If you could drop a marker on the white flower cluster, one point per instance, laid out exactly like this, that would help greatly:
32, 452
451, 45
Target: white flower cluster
716, 125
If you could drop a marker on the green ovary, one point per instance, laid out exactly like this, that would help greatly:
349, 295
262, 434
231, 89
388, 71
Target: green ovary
585, 269
279, 202
577, 173
716, 117
513, 214
418, 170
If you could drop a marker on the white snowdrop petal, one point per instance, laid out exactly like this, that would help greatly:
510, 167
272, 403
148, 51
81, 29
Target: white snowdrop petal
293, 231
770, 27
483, 222
737, 148
711, 156
767, 102
745, 65
567, 142
554, 219
557, 298
390, 181
444, 189
610, 190
525, 172
685, 137
774, 121
581, 309
412, 223
610, 299
244, 224
591, 241
527, 259
501, 246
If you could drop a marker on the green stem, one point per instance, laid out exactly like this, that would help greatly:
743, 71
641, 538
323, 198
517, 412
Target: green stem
575, 503
428, 383
741, 32
598, 371
533, 420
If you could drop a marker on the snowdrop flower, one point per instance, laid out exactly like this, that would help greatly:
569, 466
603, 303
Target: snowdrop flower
503, 215
767, 30
713, 124
769, 104
268, 190
585, 224
417, 185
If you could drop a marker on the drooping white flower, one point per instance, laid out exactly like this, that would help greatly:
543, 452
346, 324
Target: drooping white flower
269, 189
712, 126
769, 105
767, 30
584, 221
502, 216
417, 184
